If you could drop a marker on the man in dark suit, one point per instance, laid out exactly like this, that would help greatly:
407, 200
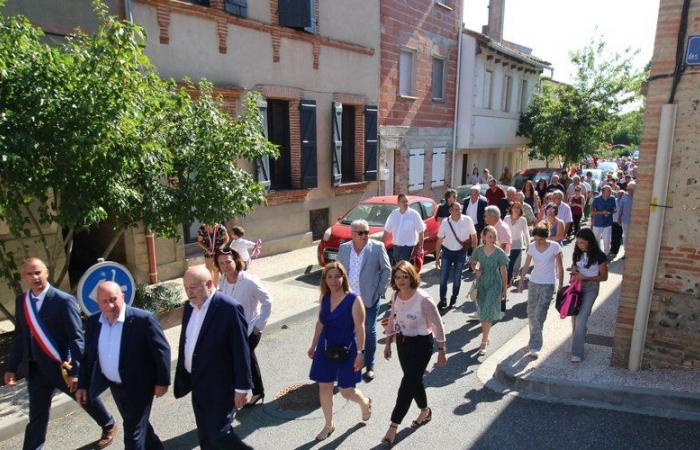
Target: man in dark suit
474, 207
213, 361
125, 350
54, 314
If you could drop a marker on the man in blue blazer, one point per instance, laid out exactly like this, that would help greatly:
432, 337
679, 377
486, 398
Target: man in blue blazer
125, 350
56, 316
213, 361
474, 206
368, 267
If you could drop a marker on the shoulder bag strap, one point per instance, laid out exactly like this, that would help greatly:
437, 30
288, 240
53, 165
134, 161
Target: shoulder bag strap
461, 242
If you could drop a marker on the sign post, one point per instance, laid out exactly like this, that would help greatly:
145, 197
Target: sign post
104, 271
692, 54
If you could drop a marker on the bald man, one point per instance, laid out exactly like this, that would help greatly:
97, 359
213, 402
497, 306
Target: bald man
48, 347
125, 350
213, 361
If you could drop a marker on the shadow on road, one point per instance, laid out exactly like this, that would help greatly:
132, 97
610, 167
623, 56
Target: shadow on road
187, 440
334, 443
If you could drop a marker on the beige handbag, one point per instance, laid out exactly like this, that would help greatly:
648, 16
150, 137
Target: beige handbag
473, 291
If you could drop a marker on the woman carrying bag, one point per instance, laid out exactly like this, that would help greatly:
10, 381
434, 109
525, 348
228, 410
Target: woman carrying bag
590, 266
414, 323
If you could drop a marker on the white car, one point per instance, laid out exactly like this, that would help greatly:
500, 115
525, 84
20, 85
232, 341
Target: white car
608, 167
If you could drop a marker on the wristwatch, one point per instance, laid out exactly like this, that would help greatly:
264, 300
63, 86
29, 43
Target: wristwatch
361, 352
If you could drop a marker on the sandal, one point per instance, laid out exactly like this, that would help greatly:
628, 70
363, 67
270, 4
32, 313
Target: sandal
366, 410
325, 433
386, 441
482, 348
420, 422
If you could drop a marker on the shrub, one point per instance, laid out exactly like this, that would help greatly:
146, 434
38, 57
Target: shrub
157, 298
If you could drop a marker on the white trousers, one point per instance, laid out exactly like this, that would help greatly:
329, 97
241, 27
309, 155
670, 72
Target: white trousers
625, 235
605, 234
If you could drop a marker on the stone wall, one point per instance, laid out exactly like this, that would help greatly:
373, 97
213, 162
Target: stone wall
673, 333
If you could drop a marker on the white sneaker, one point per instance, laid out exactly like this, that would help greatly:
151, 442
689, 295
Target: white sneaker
473, 317
576, 359
532, 354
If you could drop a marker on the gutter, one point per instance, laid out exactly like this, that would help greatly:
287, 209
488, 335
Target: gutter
456, 115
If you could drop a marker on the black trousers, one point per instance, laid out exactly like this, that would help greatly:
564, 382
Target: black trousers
41, 390
577, 223
414, 356
253, 341
213, 419
138, 432
616, 239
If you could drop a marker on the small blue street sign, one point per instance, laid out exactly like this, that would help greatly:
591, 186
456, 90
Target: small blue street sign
104, 271
692, 55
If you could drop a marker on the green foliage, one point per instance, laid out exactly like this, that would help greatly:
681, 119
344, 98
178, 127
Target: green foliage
90, 133
629, 128
158, 298
574, 121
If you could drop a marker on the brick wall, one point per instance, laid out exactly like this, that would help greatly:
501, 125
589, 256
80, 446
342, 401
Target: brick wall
430, 29
673, 333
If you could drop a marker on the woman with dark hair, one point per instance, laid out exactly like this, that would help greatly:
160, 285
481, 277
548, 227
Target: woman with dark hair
338, 345
555, 226
532, 198
247, 290
414, 323
577, 201
542, 188
211, 239
590, 266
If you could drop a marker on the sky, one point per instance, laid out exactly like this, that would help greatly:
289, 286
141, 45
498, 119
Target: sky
552, 28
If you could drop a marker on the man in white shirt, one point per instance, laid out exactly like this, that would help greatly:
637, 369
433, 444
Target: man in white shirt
564, 211
213, 361
455, 236
407, 229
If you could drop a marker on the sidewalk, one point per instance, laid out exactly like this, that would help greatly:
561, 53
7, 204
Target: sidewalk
292, 300
552, 377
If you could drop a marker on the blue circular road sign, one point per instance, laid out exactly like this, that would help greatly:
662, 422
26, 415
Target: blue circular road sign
104, 271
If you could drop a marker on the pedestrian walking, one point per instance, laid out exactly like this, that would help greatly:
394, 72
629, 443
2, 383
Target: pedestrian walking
494, 193
542, 188
213, 360
577, 202
527, 209
48, 348
563, 211
520, 232
602, 210
489, 263
338, 346
247, 290
407, 229
616, 231
455, 236
556, 185
125, 350
241, 245
590, 266
414, 323
531, 197
444, 209
212, 238
474, 177
626, 203
547, 272
554, 225
368, 271
506, 177
474, 207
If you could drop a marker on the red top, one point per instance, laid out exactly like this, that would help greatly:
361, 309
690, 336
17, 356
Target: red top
494, 197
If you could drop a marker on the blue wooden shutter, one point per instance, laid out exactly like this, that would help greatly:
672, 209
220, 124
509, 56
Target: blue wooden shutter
236, 7
312, 8
309, 172
294, 13
337, 143
371, 143
263, 164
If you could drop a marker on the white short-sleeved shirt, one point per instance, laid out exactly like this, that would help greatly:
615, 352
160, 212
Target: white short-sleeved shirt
565, 213
594, 270
519, 231
404, 227
464, 227
544, 271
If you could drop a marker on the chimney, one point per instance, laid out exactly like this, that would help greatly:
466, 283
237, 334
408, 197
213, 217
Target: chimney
497, 10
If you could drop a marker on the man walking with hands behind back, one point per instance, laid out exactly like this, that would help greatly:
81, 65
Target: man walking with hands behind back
368, 268
213, 361
125, 350
49, 344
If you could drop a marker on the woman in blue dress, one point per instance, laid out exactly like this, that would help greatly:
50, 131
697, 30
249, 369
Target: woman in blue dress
340, 329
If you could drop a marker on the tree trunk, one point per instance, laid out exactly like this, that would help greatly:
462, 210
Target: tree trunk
112, 243
68, 247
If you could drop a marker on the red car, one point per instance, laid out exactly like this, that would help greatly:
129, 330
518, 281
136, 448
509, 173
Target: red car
375, 211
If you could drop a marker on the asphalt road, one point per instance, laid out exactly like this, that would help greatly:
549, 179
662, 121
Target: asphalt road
465, 414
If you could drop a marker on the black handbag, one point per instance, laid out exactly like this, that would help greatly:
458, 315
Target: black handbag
336, 353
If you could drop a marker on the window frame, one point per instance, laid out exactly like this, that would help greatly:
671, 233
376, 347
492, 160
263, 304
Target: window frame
443, 61
412, 88
523, 95
487, 100
507, 97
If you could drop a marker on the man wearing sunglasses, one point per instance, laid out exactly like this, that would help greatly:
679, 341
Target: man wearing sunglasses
367, 263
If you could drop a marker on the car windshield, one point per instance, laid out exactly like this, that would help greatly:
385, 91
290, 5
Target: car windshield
596, 174
607, 166
519, 181
374, 213
546, 175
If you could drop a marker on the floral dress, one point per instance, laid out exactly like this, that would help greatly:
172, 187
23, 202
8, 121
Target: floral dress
489, 284
214, 240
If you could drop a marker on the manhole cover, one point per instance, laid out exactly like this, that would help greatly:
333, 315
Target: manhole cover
298, 397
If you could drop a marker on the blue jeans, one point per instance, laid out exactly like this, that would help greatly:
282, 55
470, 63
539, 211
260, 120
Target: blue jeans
590, 293
454, 260
514, 255
402, 253
371, 334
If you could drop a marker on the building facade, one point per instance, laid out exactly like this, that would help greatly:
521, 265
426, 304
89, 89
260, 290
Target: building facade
419, 46
669, 324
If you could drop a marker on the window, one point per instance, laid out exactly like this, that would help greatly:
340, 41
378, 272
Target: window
507, 90
438, 175
488, 81
297, 14
406, 72
236, 7
416, 160
348, 152
278, 134
429, 208
199, 2
523, 96
438, 78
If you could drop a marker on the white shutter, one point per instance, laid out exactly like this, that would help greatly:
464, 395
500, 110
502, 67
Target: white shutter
438, 176
416, 158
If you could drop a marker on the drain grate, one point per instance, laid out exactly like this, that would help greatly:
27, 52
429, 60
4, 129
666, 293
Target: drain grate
298, 397
598, 339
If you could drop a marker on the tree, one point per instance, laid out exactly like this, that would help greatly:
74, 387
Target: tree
90, 134
629, 128
584, 115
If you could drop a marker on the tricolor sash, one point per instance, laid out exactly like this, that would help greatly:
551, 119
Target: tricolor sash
44, 339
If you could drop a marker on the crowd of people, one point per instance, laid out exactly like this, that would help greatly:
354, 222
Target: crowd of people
228, 310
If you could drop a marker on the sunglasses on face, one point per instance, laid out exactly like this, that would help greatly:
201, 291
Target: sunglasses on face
361, 233
400, 276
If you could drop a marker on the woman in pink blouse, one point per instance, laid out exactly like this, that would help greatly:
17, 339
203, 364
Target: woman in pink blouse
414, 322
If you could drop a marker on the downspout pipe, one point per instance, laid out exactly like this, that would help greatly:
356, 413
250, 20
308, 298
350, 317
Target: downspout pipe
456, 115
657, 211
152, 261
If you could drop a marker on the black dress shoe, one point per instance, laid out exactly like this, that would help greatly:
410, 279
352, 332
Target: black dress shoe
453, 301
442, 304
368, 375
